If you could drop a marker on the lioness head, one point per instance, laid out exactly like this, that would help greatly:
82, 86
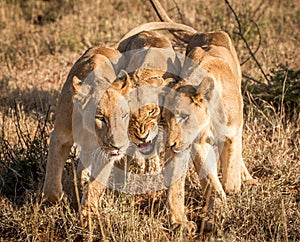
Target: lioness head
111, 117
143, 128
145, 107
111, 120
186, 113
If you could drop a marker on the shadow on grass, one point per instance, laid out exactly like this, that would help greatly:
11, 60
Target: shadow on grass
26, 120
281, 93
34, 100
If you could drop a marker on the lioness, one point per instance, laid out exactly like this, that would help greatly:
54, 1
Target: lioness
214, 53
108, 112
152, 65
206, 110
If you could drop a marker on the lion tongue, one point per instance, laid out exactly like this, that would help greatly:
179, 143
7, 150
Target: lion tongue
145, 147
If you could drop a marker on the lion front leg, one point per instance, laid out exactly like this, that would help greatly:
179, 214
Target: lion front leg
61, 141
176, 201
175, 178
176, 206
59, 149
92, 196
205, 163
100, 173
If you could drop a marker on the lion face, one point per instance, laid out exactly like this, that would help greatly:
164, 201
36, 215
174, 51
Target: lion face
111, 125
112, 119
186, 114
152, 64
143, 128
145, 101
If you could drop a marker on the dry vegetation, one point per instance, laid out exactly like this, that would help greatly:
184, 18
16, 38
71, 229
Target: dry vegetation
39, 42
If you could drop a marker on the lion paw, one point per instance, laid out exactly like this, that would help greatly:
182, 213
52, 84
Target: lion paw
232, 187
252, 182
189, 227
52, 195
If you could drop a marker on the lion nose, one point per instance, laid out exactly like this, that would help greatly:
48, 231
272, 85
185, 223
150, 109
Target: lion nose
116, 146
143, 139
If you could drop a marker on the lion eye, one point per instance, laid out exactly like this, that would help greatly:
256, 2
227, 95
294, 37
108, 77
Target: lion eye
152, 111
184, 117
125, 115
101, 118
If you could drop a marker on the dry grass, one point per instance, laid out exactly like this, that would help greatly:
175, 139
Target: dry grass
39, 42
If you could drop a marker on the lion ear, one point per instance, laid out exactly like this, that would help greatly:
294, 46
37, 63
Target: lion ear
204, 91
169, 81
82, 93
127, 85
76, 84
123, 84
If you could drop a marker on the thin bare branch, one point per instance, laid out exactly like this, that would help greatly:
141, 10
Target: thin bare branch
182, 19
240, 33
161, 13
250, 78
183, 35
258, 45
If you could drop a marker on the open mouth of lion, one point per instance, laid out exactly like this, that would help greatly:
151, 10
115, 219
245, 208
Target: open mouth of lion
116, 153
146, 148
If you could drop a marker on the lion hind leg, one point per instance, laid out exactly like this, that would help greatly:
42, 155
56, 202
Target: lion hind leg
231, 157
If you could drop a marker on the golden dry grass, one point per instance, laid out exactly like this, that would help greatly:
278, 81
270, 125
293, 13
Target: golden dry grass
40, 41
